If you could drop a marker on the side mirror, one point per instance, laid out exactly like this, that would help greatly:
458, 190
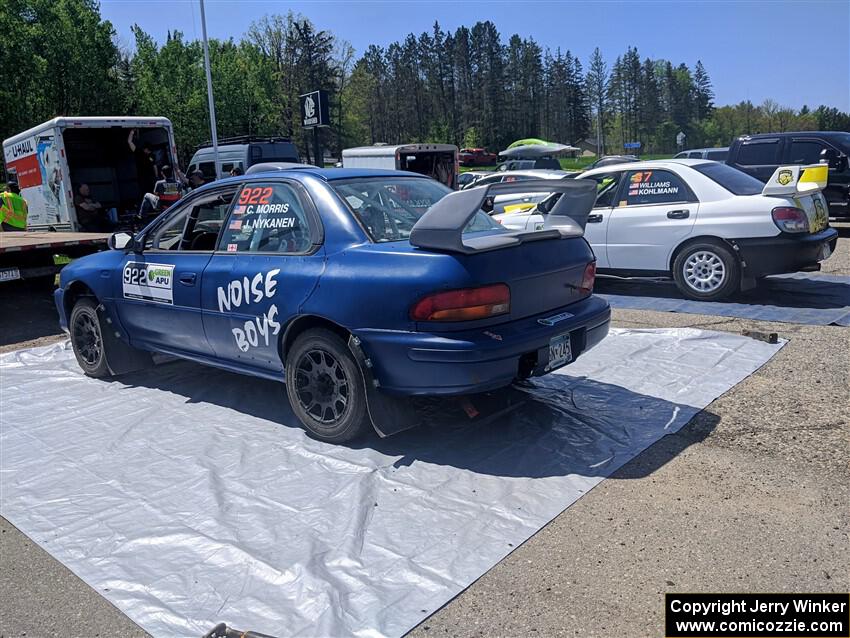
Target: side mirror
835, 160
119, 241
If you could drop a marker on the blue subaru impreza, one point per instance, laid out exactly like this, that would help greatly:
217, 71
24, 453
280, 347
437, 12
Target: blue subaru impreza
358, 288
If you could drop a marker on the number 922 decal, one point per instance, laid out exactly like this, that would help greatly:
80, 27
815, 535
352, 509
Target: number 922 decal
148, 282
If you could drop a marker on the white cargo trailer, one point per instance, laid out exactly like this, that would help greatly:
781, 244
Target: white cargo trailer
51, 160
438, 161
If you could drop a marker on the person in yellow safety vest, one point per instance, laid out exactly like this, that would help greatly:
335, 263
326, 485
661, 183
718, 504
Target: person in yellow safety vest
13, 209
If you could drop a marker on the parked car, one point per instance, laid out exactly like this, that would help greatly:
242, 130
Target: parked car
467, 178
476, 157
516, 202
541, 163
355, 287
241, 153
760, 156
714, 154
610, 160
712, 228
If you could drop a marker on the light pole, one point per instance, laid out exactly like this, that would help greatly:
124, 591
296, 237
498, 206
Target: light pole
213, 129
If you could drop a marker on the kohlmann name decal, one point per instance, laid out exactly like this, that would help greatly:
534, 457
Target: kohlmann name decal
757, 615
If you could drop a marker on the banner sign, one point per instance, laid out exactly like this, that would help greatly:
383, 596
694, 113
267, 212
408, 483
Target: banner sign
314, 109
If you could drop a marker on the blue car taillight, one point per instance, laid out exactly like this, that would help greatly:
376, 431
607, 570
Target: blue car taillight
467, 304
588, 278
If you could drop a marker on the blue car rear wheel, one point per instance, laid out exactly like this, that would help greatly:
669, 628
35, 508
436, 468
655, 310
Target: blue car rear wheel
325, 387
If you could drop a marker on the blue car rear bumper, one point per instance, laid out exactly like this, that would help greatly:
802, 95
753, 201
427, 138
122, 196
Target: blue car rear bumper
455, 363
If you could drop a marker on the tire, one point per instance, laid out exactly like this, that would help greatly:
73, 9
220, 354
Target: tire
87, 333
706, 271
325, 387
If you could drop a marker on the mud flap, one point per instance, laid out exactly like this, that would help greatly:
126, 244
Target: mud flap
121, 357
390, 414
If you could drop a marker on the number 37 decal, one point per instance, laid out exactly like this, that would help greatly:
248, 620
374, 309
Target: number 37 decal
259, 195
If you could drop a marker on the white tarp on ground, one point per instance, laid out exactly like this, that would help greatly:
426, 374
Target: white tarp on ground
187, 496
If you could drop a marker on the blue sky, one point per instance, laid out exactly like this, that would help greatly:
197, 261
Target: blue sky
795, 52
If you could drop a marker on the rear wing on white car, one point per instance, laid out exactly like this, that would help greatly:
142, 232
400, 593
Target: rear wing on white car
792, 181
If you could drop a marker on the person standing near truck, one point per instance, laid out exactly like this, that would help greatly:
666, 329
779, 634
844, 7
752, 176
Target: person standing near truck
145, 162
13, 209
168, 189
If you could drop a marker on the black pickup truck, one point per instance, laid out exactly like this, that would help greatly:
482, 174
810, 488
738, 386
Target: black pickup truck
760, 155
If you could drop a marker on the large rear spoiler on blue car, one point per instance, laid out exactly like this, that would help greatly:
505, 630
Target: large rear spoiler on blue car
441, 227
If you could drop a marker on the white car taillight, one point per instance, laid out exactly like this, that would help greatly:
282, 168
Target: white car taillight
790, 220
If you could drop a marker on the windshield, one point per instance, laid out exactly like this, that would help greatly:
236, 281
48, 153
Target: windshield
388, 207
733, 180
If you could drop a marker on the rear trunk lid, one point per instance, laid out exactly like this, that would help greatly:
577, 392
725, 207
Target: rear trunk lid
542, 275
802, 185
543, 269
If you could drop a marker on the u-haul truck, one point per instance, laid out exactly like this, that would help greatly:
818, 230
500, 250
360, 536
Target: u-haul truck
51, 160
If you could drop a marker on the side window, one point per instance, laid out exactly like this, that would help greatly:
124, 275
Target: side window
486, 181
695, 155
717, 156
195, 226
655, 187
268, 218
758, 152
606, 189
806, 151
208, 169
229, 166
169, 236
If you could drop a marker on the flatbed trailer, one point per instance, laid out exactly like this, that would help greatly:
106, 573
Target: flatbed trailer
30, 255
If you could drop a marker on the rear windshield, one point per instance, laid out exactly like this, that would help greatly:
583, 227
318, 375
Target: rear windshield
388, 207
735, 181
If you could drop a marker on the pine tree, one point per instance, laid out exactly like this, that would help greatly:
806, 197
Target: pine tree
597, 92
703, 93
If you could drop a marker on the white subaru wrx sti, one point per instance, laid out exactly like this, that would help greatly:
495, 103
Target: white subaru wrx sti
713, 228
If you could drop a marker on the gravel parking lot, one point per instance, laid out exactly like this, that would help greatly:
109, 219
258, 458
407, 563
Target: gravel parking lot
751, 496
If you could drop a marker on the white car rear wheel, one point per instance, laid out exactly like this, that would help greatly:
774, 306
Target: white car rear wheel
706, 271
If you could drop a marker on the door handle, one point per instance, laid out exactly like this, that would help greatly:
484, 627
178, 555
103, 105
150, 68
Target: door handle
683, 213
188, 278
596, 218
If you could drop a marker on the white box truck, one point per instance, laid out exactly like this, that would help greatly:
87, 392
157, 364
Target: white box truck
51, 160
438, 161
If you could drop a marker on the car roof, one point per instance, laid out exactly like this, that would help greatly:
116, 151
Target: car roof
650, 165
326, 174
756, 136
543, 173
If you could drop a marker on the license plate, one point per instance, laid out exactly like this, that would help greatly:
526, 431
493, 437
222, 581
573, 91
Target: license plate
9, 274
560, 352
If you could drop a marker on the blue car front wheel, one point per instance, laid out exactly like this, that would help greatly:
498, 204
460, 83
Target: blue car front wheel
325, 387
87, 338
